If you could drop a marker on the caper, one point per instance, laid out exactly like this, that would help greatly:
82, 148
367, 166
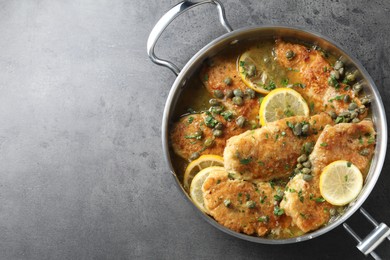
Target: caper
308, 147
216, 109
335, 74
218, 93
341, 71
357, 87
305, 129
290, 54
302, 158
307, 164
227, 203
229, 93
347, 99
213, 102
354, 114
251, 70
365, 101
240, 121
194, 156
333, 114
355, 120
362, 109
198, 133
251, 204
238, 93
345, 114
228, 81
297, 129
306, 171
238, 101
350, 77
208, 142
307, 177
299, 166
217, 133
338, 64
347, 120
297, 171
250, 92
218, 126
352, 106
364, 152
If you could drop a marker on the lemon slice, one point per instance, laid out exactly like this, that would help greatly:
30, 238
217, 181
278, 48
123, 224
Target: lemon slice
340, 182
196, 185
197, 165
259, 70
281, 103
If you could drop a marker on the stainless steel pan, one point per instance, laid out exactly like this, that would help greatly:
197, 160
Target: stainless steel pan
381, 231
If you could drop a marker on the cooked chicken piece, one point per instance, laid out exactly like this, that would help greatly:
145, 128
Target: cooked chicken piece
191, 134
309, 68
244, 206
214, 75
351, 142
271, 151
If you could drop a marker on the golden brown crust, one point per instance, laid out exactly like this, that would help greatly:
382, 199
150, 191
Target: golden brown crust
346, 141
310, 68
271, 151
256, 220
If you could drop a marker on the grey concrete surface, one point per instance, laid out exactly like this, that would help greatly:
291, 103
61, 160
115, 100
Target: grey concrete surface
82, 174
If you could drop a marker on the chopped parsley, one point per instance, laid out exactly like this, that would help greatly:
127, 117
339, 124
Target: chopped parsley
246, 161
263, 219
210, 121
289, 124
324, 144
227, 115
288, 113
349, 164
311, 106
300, 196
278, 211
284, 82
190, 119
262, 199
260, 163
337, 98
371, 140
270, 86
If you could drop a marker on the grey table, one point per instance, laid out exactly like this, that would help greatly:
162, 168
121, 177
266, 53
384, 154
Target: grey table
82, 174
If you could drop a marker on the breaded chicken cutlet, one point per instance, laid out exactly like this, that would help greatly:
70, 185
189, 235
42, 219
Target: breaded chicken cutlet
244, 206
271, 152
353, 142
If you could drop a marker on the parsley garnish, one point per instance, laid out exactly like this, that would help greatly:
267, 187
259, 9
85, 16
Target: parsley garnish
246, 161
278, 211
228, 115
263, 219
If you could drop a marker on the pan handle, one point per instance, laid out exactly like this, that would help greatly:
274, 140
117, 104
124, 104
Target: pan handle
168, 17
372, 240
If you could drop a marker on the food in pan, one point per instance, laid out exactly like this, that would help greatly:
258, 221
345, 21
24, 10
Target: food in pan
286, 130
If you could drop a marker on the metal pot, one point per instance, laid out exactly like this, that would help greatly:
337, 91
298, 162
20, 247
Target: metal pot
260, 32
